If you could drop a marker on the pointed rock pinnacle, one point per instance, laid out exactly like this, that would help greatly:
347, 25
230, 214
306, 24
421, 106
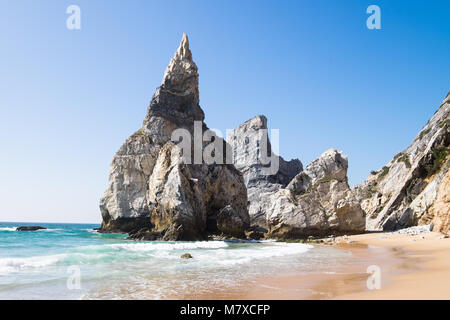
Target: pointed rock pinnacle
181, 76
177, 99
183, 49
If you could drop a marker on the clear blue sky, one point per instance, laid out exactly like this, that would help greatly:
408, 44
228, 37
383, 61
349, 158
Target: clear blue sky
68, 99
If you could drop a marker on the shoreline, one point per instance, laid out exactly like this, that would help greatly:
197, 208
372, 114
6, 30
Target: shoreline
411, 266
406, 263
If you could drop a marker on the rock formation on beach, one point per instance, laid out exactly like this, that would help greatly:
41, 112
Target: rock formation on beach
294, 203
154, 194
246, 145
413, 188
159, 190
317, 202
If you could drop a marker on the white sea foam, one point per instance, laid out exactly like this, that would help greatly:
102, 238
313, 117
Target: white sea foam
220, 266
15, 228
8, 229
170, 246
207, 255
9, 265
246, 255
214, 253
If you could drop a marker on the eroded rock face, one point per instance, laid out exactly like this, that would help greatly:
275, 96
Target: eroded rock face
247, 146
439, 212
293, 203
152, 192
317, 202
402, 193
187, 200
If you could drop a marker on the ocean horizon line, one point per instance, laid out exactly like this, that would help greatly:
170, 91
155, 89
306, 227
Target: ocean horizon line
43, 222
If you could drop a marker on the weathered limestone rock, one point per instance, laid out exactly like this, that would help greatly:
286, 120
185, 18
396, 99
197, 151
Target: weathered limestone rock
317, 202
293, 203
439, 212
247, 146
182, 198
153, 193
402, 193
332, 164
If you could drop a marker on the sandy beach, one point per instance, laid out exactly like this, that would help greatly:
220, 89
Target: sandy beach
411, 267
421, 269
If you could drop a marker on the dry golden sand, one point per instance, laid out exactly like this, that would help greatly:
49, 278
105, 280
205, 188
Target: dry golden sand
412, 267
424, 270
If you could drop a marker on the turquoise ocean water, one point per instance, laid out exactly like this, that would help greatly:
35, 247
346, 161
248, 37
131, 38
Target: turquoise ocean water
47, 264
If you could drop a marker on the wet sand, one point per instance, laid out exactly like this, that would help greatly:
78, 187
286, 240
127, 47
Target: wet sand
411, 267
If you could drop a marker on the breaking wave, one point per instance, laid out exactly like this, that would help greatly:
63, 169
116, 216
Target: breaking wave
9, 265
8, 229
170, 246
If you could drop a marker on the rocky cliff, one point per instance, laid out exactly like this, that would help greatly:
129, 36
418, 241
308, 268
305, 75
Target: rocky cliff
413, 187
439, 212
293, 203
153, 192
157, 189
249, 141
317, 202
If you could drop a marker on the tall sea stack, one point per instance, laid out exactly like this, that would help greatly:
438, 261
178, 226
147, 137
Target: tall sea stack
152, 192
